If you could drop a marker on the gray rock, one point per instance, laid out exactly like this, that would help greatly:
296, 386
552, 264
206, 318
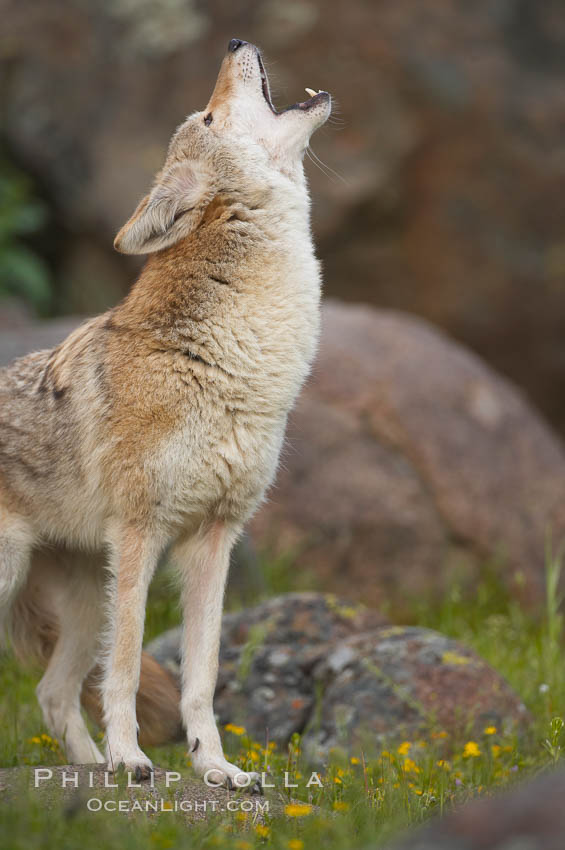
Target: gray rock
401, 681
313, 664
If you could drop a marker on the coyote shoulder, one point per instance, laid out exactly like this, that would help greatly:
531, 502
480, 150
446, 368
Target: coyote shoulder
158, 425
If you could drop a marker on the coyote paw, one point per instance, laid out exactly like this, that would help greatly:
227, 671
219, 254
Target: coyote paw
218, 771
84, 751
136, 764
140, 771
250, 782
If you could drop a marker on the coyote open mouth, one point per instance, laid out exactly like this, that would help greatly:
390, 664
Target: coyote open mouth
313, 100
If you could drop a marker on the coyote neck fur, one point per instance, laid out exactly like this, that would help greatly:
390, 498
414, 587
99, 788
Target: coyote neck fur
240, 294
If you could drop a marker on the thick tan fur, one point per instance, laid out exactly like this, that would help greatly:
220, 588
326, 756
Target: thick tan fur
156, 428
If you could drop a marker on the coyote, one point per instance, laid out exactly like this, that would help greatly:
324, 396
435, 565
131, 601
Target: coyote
156, 427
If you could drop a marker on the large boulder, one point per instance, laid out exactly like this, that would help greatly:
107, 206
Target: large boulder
317, 665
399, 682
450, 142
528, 817
410, 462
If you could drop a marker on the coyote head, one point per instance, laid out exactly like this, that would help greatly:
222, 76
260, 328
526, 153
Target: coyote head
239, 146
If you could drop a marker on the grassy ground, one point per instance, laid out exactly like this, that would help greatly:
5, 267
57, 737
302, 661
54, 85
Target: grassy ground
361, 801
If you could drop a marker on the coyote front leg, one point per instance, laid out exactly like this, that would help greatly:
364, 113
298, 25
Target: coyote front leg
135, 556
203, 562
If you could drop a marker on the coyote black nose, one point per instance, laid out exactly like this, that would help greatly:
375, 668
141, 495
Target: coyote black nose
234, 44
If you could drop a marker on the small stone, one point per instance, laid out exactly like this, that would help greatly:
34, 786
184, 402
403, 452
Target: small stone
340, 658
279, 657
265, 693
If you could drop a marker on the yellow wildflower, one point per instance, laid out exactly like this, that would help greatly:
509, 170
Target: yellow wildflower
410, 766
235, 730
297, 810
340, 806
471, 750
495, 750
262, 830
354, 760
490, 730
295, 844
404, 748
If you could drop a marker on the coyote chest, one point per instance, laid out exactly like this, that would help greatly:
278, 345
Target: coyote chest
216, 392
223, 470
224, 450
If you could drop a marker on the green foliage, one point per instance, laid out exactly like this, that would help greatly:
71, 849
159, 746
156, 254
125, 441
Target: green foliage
23, 274
364, 801
163, 610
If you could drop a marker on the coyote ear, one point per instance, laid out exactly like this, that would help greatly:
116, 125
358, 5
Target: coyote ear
168, 213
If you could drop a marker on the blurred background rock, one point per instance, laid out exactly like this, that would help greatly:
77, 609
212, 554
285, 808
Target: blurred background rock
450, 141
447, 201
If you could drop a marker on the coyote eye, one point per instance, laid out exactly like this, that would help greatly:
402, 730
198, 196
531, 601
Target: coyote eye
208, 119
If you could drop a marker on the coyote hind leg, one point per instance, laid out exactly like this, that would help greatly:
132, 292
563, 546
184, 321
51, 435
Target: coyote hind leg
16, 540
77, 596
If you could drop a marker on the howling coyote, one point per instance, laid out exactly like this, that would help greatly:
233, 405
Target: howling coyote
157, 426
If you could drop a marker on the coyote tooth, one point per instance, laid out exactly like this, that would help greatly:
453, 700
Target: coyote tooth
311, 92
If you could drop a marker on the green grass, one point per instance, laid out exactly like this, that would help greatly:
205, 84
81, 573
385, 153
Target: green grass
363, 801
